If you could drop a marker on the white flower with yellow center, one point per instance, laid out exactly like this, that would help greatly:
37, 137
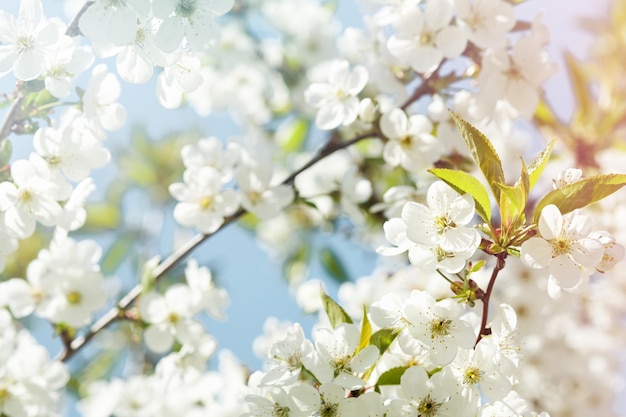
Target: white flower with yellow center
563, 246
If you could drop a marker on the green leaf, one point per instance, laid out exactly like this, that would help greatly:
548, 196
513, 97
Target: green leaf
483, 153
392, 376
333, 265
6, 150
102, 216
291, 137
335, 313
147, 279
116, 254
579, 81
512, 202
366, 332
535, 169
382, 339
462, 182
296, 265
581, 193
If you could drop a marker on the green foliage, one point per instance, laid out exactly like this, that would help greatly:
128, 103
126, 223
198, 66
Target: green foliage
333, 265
581, 193
102, 216
579, 79
382, 339
117, 253
292, 136
462, 182
296, 263
6, 150
392, 376
335, 313
483, 153
366, 332
147, 279
535, 169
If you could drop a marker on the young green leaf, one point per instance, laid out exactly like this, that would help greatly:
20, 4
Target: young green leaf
333, 265
462, 182
336, 314
392, 376
581, 193
483, 153
366, 332
382, 339
580, 83
512, 202
535, 169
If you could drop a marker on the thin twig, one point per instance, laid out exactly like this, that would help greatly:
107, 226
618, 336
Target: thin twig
501, 257
114, 313
72, 28
11, 116
332, 145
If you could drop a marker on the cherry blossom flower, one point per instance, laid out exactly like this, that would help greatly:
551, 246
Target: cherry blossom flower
113, 21
488, 21
183, 76
24, 42
258, 195
336, 357
285, 357
100, 100
425, 37
202, 203
64, 62
190, 19
169, 316
424, 396
410, 143
563, 246
438, 325
205, 295
336, 98
72, 148
514, 78
443, 222
31, 197
328, 401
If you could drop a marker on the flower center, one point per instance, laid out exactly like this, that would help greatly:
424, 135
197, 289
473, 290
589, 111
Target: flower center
328, 410
74, 297
24, 43
561, 247
428, 407
173, 318
281, 411
186, 8
205, 203
440, 327
443, 223
472, 375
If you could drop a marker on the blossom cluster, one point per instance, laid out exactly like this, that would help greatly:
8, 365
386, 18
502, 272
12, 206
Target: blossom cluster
411, 338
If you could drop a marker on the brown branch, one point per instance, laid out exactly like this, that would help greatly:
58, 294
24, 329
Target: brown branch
10, 118
72, 28
117, 312
484, 331
332, 145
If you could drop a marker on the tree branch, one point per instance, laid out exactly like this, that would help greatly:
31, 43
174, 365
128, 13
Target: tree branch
179, 254
11, 116
72, 28
484, 331
332, 145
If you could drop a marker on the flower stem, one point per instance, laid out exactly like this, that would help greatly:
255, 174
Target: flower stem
484, 331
